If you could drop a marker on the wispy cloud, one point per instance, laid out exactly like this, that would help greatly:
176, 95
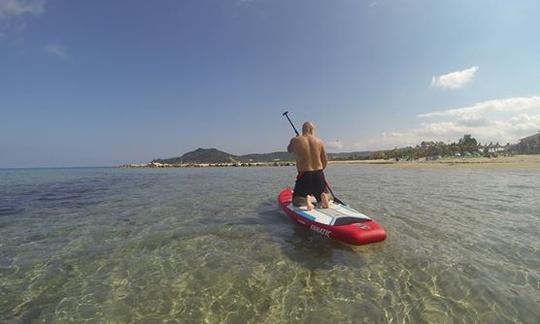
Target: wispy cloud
14, 8
373, 4
13, 15
57, 50
499, 120
334, 145
481, 108
454, 80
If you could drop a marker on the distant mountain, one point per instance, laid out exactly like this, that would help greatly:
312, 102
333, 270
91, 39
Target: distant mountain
213, 155
201, 155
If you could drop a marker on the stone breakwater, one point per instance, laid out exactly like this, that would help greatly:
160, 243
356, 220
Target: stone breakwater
208, 165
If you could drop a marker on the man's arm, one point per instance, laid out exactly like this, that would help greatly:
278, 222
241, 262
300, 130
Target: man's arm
290, 148
324, 160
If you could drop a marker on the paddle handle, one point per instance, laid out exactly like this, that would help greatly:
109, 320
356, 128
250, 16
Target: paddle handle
286, 114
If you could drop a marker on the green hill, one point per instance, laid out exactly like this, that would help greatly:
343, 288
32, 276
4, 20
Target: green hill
213, 155
201, 155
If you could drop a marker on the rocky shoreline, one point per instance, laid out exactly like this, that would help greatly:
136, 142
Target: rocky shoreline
518, 161
208, 165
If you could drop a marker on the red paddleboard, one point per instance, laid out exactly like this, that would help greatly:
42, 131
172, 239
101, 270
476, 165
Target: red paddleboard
339, 222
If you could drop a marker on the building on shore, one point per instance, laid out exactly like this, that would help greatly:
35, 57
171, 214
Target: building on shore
529, 144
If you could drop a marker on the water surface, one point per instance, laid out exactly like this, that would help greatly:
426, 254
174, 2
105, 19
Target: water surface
211, 245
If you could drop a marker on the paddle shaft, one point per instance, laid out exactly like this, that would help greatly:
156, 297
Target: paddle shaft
286, 114
336, 199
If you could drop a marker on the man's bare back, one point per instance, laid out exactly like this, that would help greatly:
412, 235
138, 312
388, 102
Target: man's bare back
309, 152
310, 157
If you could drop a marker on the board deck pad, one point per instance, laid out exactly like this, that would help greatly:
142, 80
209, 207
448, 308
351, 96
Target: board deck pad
331, 215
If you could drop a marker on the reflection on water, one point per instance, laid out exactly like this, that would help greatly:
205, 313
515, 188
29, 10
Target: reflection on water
210, 245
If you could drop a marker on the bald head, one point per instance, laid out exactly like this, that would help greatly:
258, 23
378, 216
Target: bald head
308, 128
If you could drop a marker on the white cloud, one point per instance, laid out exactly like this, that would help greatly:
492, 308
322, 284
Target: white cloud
490, 106
373, 4
334, 145
13, 8
454, 80
57, 49
500, 120
524, 123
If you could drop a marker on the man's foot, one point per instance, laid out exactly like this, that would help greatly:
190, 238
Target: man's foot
325, 202
309, 204
303, 201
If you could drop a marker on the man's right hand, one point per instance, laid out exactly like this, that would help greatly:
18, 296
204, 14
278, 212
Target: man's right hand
290, 148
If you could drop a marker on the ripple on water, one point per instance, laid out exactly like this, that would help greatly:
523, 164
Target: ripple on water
117, 245
10, 210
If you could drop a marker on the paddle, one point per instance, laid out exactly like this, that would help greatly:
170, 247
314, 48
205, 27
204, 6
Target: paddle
336, 199
286, 114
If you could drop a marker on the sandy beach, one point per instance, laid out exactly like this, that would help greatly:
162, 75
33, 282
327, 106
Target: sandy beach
529, 162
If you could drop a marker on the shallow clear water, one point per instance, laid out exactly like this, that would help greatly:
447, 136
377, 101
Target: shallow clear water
211, 245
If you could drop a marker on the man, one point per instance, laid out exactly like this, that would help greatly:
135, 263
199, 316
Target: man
310, 162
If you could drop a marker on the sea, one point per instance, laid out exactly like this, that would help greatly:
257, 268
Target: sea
211, 245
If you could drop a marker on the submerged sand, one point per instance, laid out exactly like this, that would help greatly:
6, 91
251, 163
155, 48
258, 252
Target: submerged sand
505, 162
109, 245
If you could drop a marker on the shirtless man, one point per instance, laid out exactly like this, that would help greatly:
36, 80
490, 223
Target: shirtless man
310, 161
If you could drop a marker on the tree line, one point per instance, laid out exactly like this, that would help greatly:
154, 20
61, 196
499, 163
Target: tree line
465, 146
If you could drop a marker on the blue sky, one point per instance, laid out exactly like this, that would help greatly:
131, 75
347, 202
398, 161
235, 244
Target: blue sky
110, 82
